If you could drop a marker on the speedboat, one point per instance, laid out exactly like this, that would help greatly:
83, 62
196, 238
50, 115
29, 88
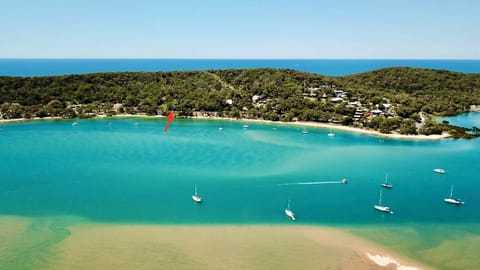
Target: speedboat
387, 186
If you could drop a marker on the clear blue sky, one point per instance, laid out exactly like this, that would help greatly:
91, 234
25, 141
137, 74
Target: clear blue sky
240, 29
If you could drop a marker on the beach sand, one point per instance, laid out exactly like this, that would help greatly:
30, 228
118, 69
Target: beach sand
338, 127
69, 242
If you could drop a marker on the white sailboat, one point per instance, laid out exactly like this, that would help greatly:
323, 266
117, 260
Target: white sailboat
289, 212
453, 200
381, 207
439, 170
386, 184
331, 134
304, 131
195, 196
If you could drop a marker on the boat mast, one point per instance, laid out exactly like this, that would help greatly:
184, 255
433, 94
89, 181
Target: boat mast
380, 200
451, 192
195, 189
386, 178
288, 204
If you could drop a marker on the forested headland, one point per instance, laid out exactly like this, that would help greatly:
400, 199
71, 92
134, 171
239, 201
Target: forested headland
400, 100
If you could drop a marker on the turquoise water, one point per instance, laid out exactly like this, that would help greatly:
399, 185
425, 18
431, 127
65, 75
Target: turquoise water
111, 170
333, 67
467, 120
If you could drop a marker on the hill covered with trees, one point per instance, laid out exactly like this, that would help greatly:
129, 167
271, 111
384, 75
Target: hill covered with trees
389, 100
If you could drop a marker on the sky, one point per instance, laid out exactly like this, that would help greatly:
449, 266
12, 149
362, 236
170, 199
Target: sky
240, 29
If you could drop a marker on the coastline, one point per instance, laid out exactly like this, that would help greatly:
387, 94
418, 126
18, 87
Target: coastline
335, 127
370, 132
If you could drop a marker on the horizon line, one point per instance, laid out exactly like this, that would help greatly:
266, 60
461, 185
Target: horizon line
220, 58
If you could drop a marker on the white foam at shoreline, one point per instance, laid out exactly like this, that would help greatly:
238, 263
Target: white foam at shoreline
384, 261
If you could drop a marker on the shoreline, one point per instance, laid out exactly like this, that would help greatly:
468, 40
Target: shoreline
356, 130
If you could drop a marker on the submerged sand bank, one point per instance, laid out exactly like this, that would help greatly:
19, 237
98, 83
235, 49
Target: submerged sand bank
103, 246
72, 243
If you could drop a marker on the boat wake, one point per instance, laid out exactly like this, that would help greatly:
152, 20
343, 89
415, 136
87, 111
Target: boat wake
312, 183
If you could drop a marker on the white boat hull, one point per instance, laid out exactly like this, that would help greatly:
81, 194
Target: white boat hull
290, 214
196, 199
440, 171
387, 186
453, 201
384, 209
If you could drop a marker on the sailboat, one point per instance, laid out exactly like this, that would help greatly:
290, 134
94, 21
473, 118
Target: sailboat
331, 134
381, 207
386, 184
453, 200
289, 212
195, 196
305, 131
439, 170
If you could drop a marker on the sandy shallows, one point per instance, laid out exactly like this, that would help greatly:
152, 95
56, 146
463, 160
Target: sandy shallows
214, 247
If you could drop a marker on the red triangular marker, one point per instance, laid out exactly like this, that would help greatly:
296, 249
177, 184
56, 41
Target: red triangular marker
170, 118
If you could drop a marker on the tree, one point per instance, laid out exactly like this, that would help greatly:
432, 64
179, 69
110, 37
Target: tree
408, 126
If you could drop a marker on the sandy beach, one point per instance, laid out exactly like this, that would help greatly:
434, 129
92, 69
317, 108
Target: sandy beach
299, 124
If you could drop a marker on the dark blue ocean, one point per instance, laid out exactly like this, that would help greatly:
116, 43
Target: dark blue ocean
331, 67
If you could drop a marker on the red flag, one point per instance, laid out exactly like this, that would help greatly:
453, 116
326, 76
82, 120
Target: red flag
170, 118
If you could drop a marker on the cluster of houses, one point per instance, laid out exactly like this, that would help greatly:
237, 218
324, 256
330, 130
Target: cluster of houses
337, 96
330, 93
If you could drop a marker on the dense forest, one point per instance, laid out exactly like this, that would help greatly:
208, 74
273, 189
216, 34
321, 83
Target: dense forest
389, 100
